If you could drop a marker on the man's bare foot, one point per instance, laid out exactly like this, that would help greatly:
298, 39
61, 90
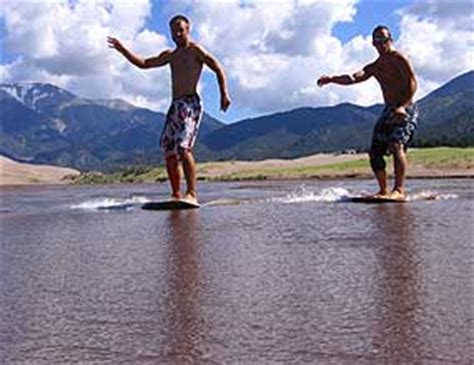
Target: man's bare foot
175, 196
191, 198
397, 195
380, 194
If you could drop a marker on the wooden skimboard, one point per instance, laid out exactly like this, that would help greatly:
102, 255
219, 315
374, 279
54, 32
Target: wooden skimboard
375, 200
170, 205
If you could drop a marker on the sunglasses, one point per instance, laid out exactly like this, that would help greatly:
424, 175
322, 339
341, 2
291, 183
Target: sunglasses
381, 40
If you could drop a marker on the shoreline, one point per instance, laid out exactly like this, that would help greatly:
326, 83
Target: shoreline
273, 179
427, 163
342, 177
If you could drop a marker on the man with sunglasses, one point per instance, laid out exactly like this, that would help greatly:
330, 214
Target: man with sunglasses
397, 123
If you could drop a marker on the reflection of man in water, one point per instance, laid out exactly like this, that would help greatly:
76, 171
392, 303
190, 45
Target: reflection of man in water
396, 125
399, 286
187, 316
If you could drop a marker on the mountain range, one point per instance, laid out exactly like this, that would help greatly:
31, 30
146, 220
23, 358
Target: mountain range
42, 123
46, 124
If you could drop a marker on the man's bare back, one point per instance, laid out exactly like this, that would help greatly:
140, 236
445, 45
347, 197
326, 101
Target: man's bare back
396, 78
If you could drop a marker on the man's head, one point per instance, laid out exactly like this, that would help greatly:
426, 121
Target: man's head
382, 39
179, 26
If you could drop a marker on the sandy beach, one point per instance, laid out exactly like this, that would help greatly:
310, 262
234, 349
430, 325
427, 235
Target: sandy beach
215, 169
17, 173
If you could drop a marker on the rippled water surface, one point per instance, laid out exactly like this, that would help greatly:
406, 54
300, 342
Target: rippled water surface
263, 273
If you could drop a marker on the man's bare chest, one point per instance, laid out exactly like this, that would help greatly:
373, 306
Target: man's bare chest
390, 73
185, 61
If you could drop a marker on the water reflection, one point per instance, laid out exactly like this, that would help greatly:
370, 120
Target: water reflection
397, 299
187, 323
313, 283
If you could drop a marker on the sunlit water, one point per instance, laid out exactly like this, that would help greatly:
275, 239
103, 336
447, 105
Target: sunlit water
263, 273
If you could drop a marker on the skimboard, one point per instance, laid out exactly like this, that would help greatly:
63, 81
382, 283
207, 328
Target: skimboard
375, 200
380, 200
170, 205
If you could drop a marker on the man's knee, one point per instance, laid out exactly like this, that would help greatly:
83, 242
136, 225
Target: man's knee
171, 159
395, 148
377, 162
184, 153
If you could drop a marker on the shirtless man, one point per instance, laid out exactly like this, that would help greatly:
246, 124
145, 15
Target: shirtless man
184, 115
396, 125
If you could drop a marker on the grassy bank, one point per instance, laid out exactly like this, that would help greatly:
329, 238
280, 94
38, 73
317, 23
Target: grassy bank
427, 162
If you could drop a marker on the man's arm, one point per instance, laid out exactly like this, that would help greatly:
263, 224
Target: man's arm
162, 59
211, 62
362, 75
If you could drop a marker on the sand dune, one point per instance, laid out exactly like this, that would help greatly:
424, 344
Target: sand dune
17, 173
229, 167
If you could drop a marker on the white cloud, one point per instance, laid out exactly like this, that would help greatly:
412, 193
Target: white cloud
305, 24
438, 38
64, 42
457, 14
22, 70
273, 51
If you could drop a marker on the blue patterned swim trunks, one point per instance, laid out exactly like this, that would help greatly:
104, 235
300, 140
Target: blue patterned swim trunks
182, 125
391, 129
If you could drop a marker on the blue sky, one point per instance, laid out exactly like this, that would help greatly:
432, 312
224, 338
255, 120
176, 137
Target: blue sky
369, 14
272, 52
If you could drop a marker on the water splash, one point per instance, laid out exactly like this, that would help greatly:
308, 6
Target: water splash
223, 202
430, 195
303, 194
111, 203
334, 194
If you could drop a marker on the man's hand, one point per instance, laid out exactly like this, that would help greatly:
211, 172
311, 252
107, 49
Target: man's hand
115, 44
324, 80
225, 102
399, 113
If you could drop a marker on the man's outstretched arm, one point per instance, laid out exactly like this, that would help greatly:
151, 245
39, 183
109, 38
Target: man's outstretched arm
162, 59
355, 78
211, 62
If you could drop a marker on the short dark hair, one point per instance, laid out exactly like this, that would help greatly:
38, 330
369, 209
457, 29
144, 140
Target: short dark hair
381, 27
177, 18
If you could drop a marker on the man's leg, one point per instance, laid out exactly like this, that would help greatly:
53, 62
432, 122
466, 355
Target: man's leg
189, 167
381, 177
399, 164
172, 167
377, 163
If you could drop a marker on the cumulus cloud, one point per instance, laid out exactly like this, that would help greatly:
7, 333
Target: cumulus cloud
64, 42
272, 51
437, 36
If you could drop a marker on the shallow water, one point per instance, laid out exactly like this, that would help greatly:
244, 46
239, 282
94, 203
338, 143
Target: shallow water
267, 273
